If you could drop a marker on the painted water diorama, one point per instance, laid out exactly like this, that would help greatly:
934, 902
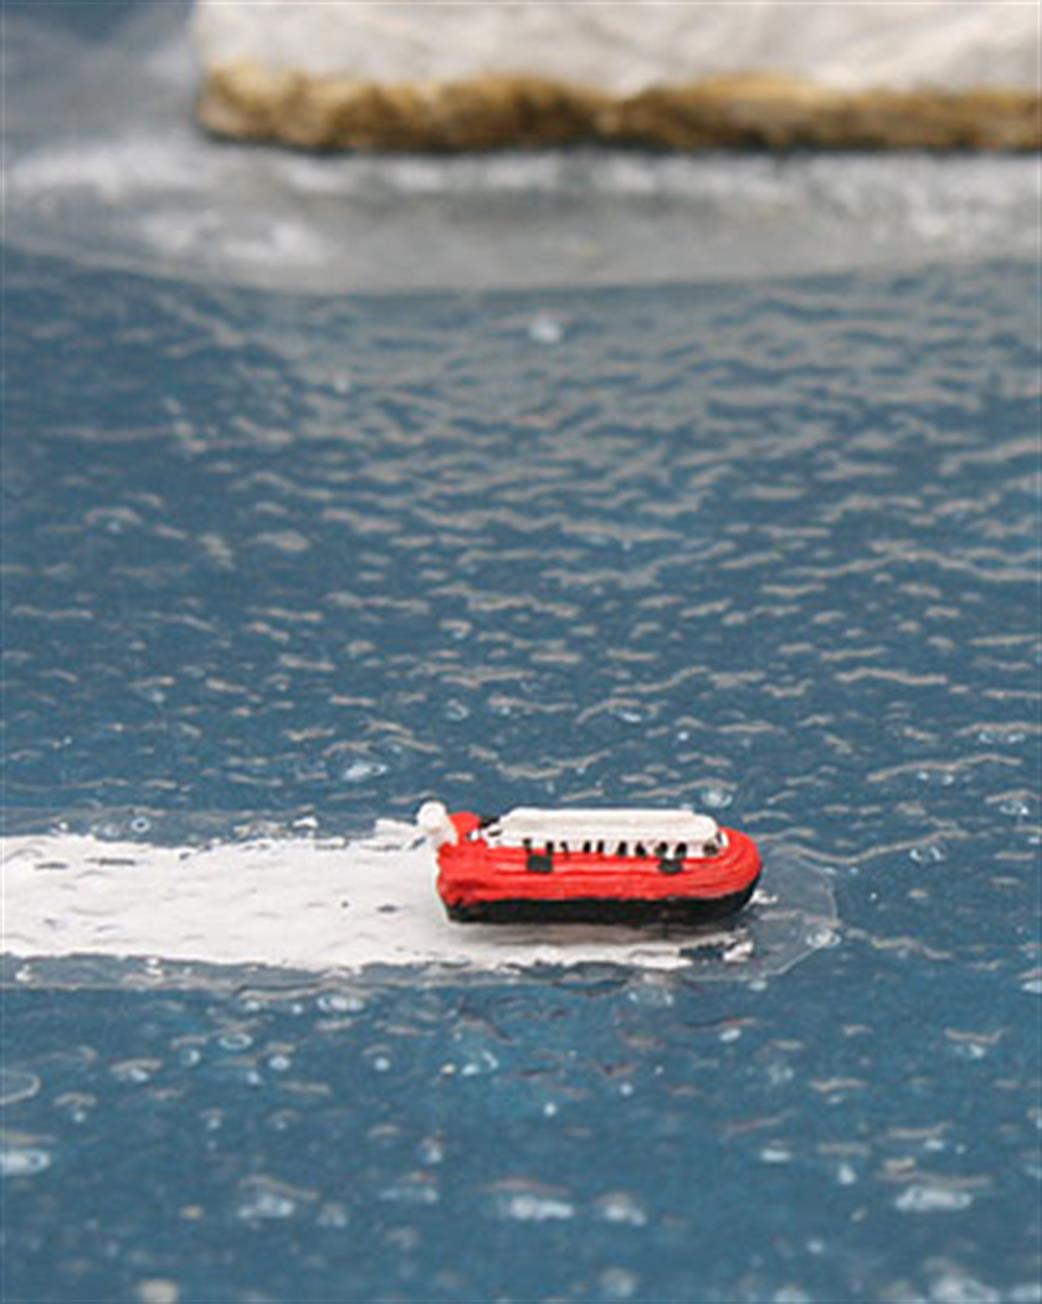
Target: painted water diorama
620, 423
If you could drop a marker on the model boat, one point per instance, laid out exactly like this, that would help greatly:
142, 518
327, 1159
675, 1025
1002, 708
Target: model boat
589, 866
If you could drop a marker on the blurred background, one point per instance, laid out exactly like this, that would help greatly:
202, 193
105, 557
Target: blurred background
105, 154
545, 404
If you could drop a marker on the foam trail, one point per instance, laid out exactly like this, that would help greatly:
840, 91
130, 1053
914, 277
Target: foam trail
318, 905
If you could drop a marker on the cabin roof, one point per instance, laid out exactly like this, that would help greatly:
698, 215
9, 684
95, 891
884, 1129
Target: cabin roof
578, 826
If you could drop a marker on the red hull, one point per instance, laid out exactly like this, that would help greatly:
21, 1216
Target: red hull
479, 882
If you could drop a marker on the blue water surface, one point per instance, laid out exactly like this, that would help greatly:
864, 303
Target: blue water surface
769, 548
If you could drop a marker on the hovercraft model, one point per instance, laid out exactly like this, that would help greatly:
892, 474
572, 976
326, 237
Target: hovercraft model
589, 866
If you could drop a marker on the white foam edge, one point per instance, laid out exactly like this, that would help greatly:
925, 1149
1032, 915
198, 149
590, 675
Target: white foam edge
317, 905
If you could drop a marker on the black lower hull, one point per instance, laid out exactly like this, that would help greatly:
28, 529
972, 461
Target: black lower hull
602, 910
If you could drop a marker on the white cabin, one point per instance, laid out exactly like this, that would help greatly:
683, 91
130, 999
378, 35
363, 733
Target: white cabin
618, 832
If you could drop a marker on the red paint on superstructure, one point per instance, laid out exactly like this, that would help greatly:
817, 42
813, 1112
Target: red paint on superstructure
473, 873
